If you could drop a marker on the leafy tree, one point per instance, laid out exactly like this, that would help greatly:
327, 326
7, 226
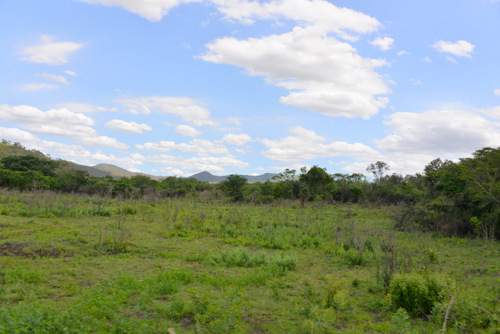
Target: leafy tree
317, 180
142, 184
29, 163
287, 186
72, 180
378, 170
233, 187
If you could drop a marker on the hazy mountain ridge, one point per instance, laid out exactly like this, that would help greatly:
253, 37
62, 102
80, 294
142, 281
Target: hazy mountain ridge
208, 177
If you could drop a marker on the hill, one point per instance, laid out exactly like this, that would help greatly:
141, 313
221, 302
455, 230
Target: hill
102, 170
208, 177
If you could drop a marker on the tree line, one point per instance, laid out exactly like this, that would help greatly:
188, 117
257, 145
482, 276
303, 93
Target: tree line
461, 198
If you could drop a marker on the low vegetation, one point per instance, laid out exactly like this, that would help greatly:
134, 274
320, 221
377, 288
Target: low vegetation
308, 253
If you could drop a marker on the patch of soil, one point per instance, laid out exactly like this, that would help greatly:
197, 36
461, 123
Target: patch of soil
29, 250
13, 249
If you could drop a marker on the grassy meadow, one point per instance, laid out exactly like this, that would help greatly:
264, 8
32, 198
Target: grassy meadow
79, 264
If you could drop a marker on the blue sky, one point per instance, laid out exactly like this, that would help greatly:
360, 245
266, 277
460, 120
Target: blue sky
176, 87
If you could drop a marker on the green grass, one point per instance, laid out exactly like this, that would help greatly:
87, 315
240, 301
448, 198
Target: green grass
90, 265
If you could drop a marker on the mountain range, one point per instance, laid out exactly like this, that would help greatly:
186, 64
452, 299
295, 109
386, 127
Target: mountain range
103, 170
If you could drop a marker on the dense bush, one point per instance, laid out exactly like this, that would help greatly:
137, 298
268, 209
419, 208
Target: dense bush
418, 294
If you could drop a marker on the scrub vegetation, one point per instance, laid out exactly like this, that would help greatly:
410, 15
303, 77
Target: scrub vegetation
308, 253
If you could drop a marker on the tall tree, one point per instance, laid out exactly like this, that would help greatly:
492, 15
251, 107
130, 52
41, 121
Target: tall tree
378, 170
233, 187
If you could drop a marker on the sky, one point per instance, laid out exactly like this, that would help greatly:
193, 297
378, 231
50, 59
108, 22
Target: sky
176, 87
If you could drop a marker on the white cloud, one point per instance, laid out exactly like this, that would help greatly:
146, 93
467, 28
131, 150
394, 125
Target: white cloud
403, 53
103, 141
445, 133
459, 49
210, 164
323, 74
306, 145
54, 77
72, 73
161, 146
32, 115
84, 107
237, 139
427, 60
38, 86
180, 106
49, 52
320, 13
152, 10
129, 127
496, 91
492, 112
383, 43
57, 122
199, 146
187, 130
30, 141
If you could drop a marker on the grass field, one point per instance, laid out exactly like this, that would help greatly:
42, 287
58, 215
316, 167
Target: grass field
91, 265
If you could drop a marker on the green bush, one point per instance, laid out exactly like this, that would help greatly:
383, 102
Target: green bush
418, 294
464, 315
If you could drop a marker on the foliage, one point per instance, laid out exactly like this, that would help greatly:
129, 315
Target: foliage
29, 163
74, 263
233, 187
418, 294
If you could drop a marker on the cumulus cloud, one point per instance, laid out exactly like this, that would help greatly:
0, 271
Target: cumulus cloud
210, 164
383, 43
445, 133
72, 73
129, 127
236, 139
57, 122
49, 52
403, 53
70, 152
183, 107
496, 92
320, 13
493, 112
459, 49
306, 144
199, 146
152, 10
323, 74
84, 107
53, 77
187, 130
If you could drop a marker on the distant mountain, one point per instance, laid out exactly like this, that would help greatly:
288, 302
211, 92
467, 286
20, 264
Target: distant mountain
102, 170
208, 177
114, 171
95, 172
118, 172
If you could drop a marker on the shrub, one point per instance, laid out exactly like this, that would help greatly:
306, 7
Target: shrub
464, 315
418, 294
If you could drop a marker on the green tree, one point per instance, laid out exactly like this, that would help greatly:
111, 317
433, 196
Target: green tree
317, 180
378, 170
233, 187
29, 163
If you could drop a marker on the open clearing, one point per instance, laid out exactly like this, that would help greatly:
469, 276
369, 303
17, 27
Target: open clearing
72, 264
